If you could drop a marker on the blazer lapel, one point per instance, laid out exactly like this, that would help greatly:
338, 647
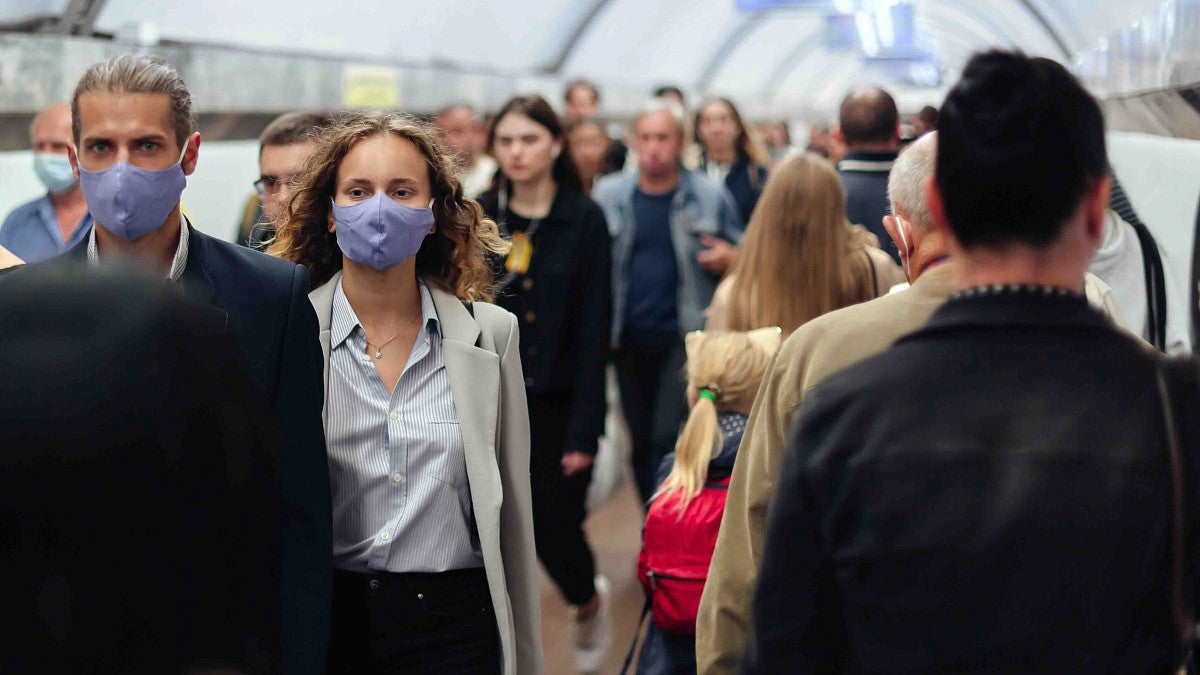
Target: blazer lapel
474, 375
322, 302
196, 282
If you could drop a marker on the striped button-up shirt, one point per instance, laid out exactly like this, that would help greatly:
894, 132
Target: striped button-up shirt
401, 501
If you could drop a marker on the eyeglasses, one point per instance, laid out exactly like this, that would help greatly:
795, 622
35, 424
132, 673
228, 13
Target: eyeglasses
268, 185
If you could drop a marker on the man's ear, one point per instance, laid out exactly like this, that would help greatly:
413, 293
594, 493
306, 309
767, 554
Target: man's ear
74, 159
191, 154
838, 135
892, 225
1097, 207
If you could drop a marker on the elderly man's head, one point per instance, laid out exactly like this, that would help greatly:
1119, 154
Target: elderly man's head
911, 225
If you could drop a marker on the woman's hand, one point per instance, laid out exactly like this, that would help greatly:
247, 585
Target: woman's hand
575, 462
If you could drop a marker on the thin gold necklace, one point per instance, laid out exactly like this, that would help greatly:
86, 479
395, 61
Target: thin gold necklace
379, 348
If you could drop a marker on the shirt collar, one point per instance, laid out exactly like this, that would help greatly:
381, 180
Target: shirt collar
178, 263
344, 320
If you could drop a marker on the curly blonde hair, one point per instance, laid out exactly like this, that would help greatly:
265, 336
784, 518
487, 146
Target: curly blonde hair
454, 257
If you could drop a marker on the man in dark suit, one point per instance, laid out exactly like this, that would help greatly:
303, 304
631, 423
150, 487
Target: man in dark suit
135, 143
137, 482
995, 493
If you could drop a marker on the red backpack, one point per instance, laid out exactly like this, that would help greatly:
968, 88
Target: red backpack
676, 552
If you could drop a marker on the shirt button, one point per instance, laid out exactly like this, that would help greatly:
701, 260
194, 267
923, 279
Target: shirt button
397, 476
385, 537
393, 415
530, 316
529, 382
373, 584
527, 283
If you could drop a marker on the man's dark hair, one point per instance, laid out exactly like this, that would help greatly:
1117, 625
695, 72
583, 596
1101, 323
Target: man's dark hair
868, 116
669, 89
586, 84
929, 117
1019, 143
293, 127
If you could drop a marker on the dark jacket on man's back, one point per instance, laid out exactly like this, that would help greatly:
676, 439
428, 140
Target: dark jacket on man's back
990, 495
266, 310
865, 178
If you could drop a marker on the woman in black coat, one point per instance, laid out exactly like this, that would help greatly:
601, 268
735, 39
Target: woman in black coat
556, 281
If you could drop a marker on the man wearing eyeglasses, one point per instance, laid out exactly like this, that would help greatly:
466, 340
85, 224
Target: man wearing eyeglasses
282, 149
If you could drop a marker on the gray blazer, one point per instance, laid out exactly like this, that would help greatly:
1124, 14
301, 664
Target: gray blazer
483, 363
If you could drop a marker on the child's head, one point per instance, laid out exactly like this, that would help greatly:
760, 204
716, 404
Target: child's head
724, 372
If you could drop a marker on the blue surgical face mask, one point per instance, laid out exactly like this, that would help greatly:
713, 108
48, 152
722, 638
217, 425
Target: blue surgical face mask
130, 201
54, 171
381, 232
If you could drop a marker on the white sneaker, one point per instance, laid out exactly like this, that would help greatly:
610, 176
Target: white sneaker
593, 637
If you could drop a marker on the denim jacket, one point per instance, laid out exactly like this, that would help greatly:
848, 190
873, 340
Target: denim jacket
700, 207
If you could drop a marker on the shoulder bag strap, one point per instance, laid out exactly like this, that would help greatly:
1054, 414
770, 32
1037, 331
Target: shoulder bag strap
1182, 613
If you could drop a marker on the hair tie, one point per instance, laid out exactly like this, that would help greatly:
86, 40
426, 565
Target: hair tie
704, 393
711, 391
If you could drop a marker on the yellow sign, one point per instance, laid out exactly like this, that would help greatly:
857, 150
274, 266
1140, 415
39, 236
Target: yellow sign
370, 87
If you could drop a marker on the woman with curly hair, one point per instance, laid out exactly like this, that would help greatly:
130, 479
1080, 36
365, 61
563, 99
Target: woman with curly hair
425, 412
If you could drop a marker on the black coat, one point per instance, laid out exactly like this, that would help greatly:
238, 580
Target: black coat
264, 301
563, 305
990, 495
138, 517
745, 182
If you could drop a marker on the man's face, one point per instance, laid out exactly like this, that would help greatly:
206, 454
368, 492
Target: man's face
581, 103
458, 133
125, 127
51, 131
659, 143
277, 165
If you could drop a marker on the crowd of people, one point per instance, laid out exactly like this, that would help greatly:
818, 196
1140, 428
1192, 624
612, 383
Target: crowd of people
896, 403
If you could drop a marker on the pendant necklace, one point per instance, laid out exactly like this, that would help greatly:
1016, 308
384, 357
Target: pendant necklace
379, 348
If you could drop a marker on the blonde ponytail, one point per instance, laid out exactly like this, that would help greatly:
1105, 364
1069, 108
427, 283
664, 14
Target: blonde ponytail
724, 371
701, 436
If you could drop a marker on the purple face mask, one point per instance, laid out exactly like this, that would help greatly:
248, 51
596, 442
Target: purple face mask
129, 201
380, 232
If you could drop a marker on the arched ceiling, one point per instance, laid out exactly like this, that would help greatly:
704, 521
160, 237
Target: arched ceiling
771, 61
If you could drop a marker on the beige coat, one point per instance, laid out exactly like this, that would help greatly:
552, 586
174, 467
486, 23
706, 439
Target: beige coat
816, 350
483, 364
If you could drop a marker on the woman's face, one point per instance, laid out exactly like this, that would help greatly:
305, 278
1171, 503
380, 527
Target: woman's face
589, 145
524, 149
716, 128
384, 163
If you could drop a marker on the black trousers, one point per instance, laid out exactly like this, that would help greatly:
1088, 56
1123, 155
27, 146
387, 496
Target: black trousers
413, 623
559, 502
651, 378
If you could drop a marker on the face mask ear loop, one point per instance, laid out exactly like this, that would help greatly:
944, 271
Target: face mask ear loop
903, 240
183, 151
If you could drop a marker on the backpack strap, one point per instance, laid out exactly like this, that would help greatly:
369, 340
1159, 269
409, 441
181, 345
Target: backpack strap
637, 633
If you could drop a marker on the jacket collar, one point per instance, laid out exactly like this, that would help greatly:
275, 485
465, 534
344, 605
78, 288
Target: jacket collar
867, 162
1015, 307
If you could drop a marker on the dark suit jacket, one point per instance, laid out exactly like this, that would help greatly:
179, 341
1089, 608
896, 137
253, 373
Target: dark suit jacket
265, 304
990, 495
138, 515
